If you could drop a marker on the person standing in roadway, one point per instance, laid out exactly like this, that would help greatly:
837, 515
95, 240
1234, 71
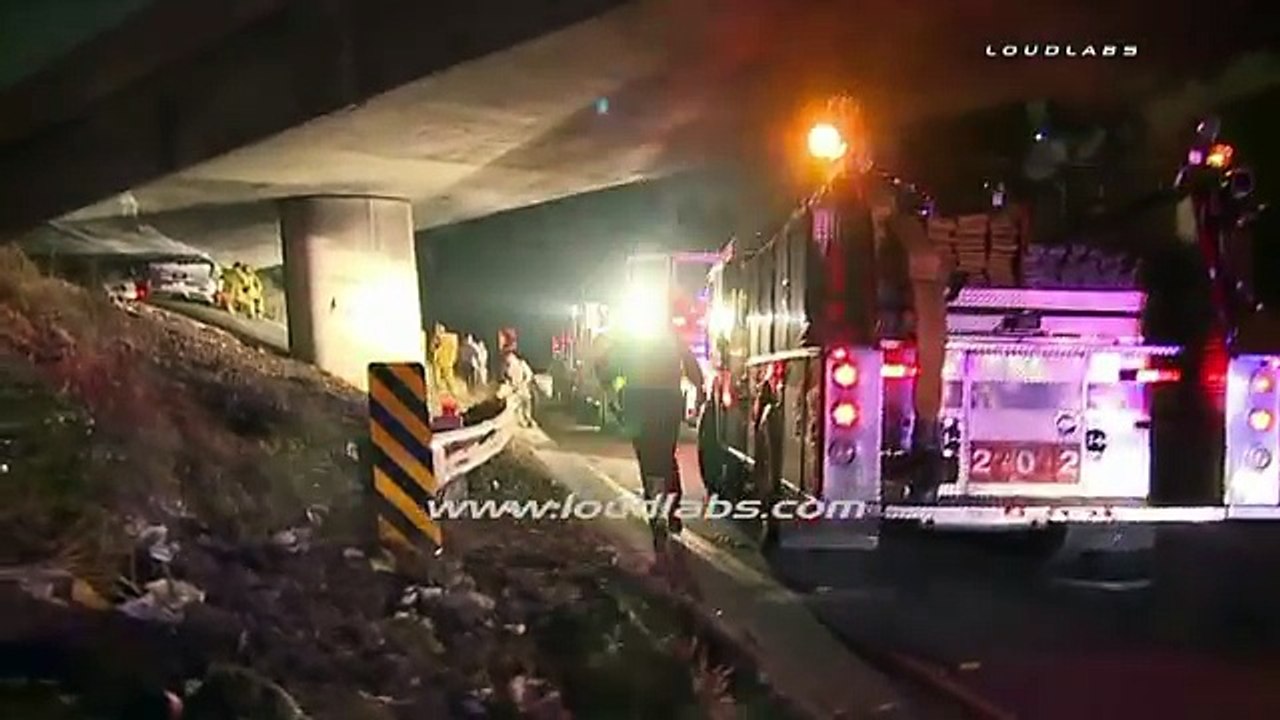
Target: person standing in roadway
653, 360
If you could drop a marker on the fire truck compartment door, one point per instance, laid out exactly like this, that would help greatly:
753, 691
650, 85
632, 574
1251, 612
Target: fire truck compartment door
1117, 457
1022, 398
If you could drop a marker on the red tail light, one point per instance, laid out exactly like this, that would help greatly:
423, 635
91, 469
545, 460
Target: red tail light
845, 374
1214, 381
899, 360
898, 371
845, 414
143, 288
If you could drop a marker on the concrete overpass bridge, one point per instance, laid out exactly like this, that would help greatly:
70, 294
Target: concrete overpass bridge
339, 127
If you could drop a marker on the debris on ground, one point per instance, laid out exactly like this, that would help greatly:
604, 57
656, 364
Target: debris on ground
164, 601
182, 525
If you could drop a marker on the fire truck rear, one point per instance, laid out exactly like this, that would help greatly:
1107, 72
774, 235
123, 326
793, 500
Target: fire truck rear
1047, 394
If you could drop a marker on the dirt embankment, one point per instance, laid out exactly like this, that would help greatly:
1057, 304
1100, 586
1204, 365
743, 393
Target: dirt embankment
182, 524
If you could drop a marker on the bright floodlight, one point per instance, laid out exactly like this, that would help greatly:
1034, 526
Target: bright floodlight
642, 313
720, 320
826, 143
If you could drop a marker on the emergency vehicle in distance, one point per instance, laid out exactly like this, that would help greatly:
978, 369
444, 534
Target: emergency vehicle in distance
659, 288
1047, 405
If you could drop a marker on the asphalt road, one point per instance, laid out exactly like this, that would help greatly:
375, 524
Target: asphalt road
984, 618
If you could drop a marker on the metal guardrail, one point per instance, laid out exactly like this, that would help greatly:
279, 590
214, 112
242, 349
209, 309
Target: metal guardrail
457, 452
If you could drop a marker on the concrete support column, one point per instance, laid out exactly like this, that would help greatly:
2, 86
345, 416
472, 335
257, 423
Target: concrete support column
351, 283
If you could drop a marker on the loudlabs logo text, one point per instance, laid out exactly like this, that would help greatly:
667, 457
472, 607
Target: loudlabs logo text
1055, 50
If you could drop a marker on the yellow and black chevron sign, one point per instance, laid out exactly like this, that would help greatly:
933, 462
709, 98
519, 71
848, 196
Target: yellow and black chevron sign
400, 435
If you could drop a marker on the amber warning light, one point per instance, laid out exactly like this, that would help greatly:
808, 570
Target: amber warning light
1220, 156
826, 142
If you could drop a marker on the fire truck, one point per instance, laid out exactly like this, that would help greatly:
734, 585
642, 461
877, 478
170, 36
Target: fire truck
1047, 416
659, 288
585, 396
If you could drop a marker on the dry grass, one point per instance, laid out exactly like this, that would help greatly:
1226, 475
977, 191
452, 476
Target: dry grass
686, 663
146, 416
180, 420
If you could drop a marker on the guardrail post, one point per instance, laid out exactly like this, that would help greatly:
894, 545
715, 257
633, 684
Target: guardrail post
451, 489
400, 460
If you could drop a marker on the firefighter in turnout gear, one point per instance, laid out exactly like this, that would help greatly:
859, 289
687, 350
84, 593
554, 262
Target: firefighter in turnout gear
928, 277
242, 291
229, 288
255, 299
653, 359
242, 294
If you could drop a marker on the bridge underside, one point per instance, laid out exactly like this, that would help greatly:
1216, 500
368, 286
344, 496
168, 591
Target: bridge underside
507, 130
212, 151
